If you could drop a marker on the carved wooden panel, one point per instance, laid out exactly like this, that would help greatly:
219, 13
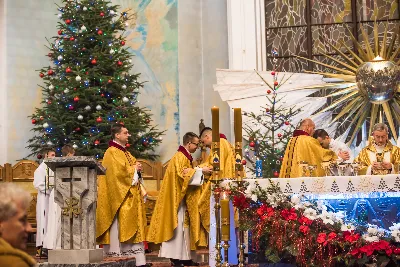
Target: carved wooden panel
151, 174
32, 211
2, 173
23, 171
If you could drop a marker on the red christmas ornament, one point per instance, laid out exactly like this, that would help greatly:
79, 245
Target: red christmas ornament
76, 99
72, 38
101, 14
60, 32
68, 21
252, 144
102, 95
276, 174
272, 72
50, 72
33, 121
99, 119
119, 63
87, 73
50, 54
110, 81
68, 70
279, 135
244, 162
269, 91
122, 42
99, 32
145, 143
39, 156
74, 89
41, 75
83, 49
77, 129
147, 120
48, 102
71, 107
96, 142
267, 110
276, 83
128, 145
287, 123
94, 61
41, 118
65, 38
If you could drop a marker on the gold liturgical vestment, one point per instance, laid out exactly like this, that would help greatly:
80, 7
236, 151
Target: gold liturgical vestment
116, 194
302, 147
227, 171
369, 154
174, 189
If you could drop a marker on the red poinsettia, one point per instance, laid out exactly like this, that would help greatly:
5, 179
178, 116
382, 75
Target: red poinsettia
304, 220
350, 237
289, 215
321, 239
304, 229
241, 202
265, 211
332, 236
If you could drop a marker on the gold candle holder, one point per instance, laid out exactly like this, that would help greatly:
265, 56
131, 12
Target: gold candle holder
225, 226
217, 209
238, 161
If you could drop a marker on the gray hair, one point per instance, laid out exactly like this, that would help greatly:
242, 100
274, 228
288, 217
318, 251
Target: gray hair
380, 127
11, 196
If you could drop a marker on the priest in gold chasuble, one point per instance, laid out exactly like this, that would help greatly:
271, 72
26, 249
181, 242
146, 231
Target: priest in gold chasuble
176, 221
302, 147
120, 212
227, 171
380, 157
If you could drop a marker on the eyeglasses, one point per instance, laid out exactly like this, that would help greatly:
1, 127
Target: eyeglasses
196, 144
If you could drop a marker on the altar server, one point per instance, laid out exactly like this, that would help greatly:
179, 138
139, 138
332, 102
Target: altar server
341, 149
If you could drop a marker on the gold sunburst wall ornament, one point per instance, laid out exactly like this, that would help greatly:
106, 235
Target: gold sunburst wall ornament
370, 87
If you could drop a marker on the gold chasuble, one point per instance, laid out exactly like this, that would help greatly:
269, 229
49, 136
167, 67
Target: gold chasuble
302, 147
227, 171
369, 154
116, 194
175, 189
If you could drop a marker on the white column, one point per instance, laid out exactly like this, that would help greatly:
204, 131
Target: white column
246, 30
3, 85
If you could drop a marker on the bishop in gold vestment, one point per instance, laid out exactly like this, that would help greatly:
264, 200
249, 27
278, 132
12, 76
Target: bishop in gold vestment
120, 213
227, 171
176, 222
380, 157
303, 147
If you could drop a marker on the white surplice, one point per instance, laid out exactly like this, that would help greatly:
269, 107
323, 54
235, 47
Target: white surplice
52, 239
179, 246
42, 202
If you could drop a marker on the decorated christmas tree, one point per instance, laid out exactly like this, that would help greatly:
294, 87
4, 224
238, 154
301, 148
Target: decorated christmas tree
269, 131
87, 87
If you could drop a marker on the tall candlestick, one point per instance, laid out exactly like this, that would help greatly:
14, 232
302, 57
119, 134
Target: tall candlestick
237, 124
225, 218
215, 124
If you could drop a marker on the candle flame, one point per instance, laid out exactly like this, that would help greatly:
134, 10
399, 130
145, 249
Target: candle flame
378, 58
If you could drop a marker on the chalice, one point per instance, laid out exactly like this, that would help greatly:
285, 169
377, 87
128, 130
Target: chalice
312, 168
355, 167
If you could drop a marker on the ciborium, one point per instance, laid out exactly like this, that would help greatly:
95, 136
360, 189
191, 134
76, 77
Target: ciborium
355, 166
378, 80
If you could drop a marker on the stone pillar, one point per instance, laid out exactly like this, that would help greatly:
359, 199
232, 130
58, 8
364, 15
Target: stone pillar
76, 193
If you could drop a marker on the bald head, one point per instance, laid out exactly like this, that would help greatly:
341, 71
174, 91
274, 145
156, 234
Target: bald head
308, 126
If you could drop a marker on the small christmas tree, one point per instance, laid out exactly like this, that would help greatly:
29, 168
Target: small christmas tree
88, 88
269, 132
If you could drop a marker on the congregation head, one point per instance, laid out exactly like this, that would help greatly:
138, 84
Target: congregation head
323, 137
308, 126
191, 141
206, 136
120, 134
380, 133
68, 151
51, 153
14, 225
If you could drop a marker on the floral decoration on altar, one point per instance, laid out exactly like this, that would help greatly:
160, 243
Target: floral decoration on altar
286, 229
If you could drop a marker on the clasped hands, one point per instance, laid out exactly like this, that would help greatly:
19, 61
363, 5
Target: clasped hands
138, 166
381, 165
344, 155
205, 170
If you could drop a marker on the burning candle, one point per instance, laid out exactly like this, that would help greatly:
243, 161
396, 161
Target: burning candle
237, 124
225, 217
